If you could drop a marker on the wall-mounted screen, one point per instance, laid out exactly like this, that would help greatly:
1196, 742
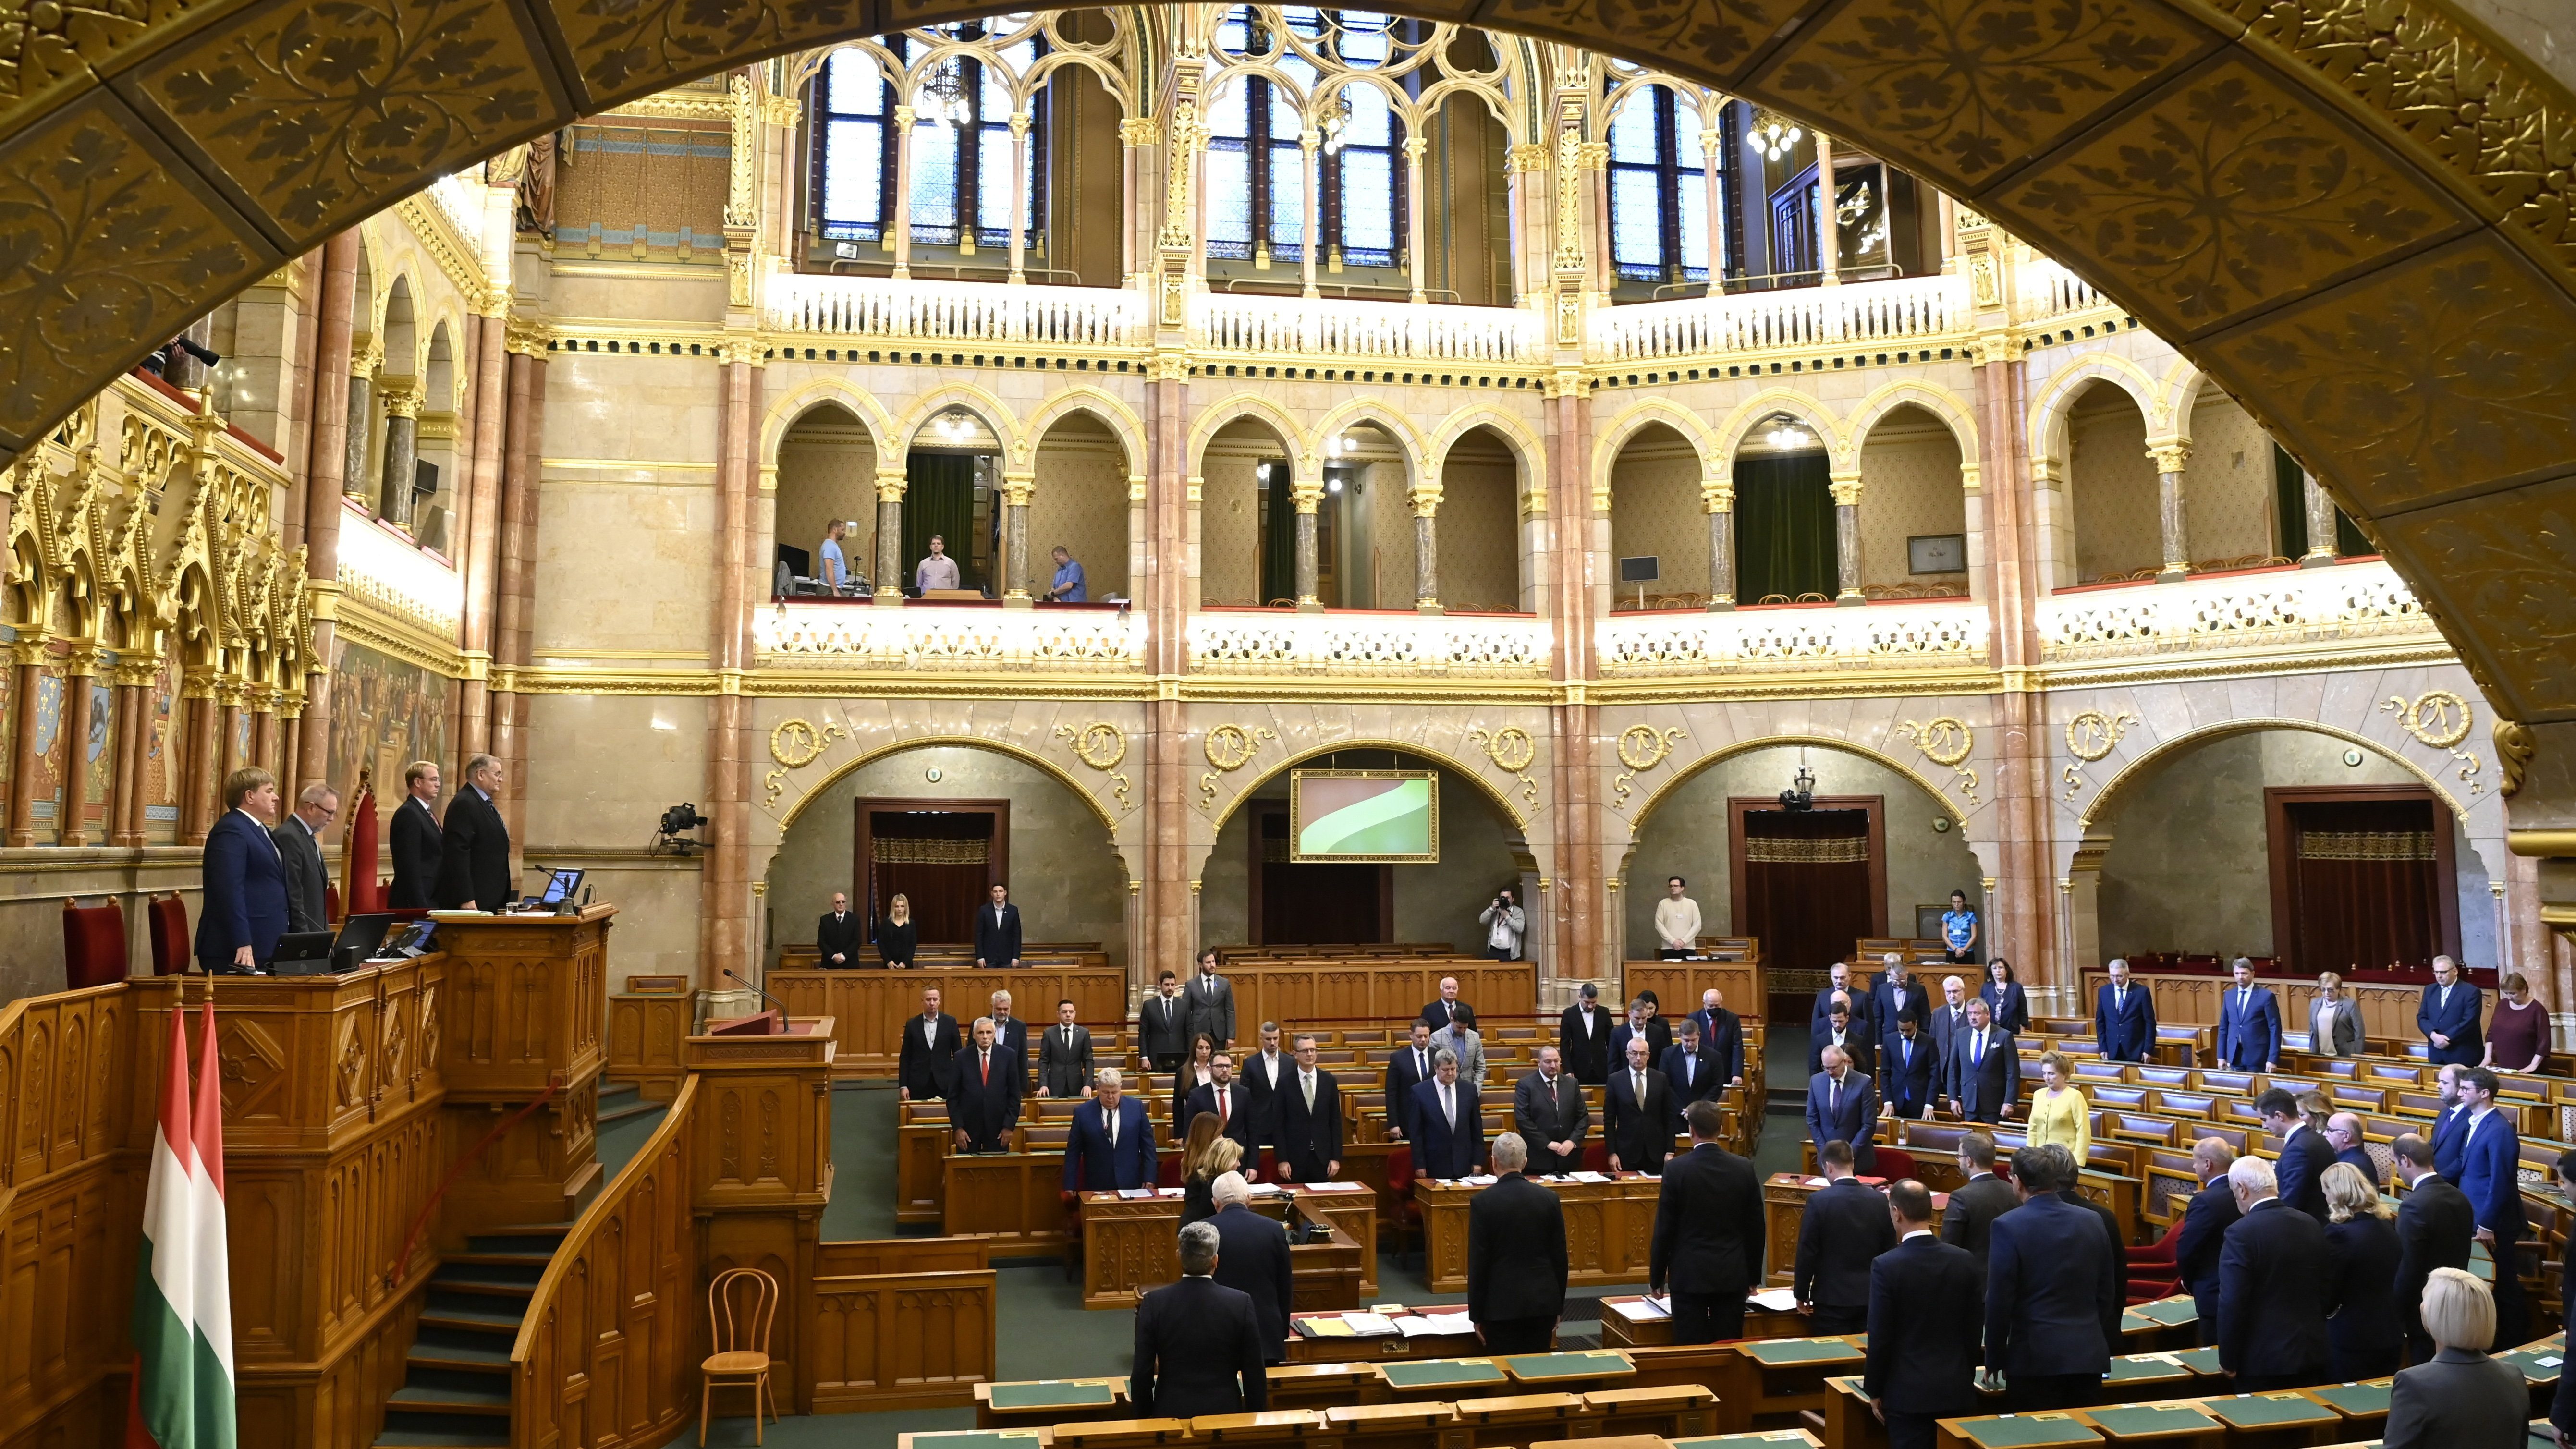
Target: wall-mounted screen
1364, 815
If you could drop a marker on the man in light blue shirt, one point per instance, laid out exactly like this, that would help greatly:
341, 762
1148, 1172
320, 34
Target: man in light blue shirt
1069, 586
835, 572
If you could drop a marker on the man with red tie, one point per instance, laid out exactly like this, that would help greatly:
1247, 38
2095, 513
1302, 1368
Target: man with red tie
984, 1100
1224, 1096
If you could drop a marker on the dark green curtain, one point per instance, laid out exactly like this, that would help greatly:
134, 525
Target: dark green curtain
1784, 527
2290, 505
1278, 536
939, 497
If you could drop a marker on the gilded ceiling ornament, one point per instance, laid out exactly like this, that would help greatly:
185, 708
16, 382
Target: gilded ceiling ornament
2092, 735
1641, 748
2514, 747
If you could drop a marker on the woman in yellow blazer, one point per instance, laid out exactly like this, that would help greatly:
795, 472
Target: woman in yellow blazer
2059, 1112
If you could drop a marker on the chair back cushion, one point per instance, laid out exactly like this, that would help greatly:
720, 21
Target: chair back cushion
167, 918
93, 944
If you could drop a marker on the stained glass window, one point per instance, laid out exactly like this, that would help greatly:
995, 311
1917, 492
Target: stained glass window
1256, 171
962, 148
1659, 189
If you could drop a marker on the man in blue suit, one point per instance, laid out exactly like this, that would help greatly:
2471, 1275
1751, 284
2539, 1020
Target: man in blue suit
2249, 1024
2490, 1161
2274, 1275
2205, 1222
1448, 1122
1982, 1074
2052, 1300
2449, 1017
245, 879
2304, 1152
1906, 1063
2446, 1127
1842, 1106
1925, 1317
1406, 1068
2124, 1016
1864, 1008
1112, 1144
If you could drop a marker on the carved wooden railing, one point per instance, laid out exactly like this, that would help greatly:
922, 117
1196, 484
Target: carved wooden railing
606, 1356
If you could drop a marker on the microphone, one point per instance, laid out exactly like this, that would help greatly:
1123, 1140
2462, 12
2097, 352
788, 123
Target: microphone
764, 994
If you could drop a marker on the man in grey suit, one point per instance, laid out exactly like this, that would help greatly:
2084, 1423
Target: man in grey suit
299, 847
1207, 1003
1064, 1056
1549, 1111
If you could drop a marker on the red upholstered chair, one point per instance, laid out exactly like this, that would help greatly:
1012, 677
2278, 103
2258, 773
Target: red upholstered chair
1894, 1163
330, 900
93, 943
1596, 1156
167, 919
1401, 1213
2153, 1272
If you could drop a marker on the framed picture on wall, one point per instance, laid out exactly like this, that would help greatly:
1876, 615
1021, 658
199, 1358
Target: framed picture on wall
1937, 553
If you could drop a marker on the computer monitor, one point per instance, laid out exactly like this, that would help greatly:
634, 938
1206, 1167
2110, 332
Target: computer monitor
360, 936
560, 887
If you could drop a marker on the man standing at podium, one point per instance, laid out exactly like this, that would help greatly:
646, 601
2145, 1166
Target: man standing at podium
474, 856
416, 839
984, 1098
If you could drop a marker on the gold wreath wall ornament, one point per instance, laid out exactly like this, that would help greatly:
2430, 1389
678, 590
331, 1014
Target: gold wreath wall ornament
1100, 745
1511, 749
1641, 748
1229, 748
2093, 735
794, 744
2438, 718
1947, 741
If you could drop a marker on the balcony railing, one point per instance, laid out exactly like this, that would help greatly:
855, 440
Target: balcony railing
2049, 291
2257, 608
1344, 327
1768, 640
1903, 309
389, 570
950, 312
952, 638
1361, 642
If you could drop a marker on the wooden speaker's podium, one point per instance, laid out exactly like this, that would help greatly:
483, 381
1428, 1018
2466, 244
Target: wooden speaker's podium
760, 1161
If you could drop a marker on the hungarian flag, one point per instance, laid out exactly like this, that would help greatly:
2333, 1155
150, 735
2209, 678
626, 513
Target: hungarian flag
183, 1316
360, 891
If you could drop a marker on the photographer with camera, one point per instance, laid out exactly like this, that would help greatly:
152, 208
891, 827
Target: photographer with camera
1504, 925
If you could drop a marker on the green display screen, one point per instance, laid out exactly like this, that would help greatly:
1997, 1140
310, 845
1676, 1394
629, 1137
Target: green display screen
1364, 815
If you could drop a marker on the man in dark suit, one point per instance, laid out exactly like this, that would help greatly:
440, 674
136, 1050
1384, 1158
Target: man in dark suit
2067, 1173
1064, 1056
1207, 1003
2052, 1298
2562, 1404
836, 936
1199, 1347
1308, 1111
1551, 1115
2124, 1016
984, 1092
1111, 1145
1721, 1035
1968, 1223
417, 840
1407, 1067
1448, 1122
2435, 1227
1162, 1027
1693, 1074
1516, 1262
1008, 1029
1894, 989
924, 1065
1982, 1075
299, 850
1583, 1034
2450, 1016
474, 845
997, 931
1843, 1230
2205, 1221
1264, 1073
1906, 1063
2453, 1116
1842, 1106
1448, 1008
2305, 1155
1949, 1020
1637, 1114
1252, 1259
245, 879
1708, 1239
1839, 983
2273, 1277
1224, 1096
2249, 1023
1641, 1022
1842, 1030
1926, 1313
2344, 1135
2490, 1178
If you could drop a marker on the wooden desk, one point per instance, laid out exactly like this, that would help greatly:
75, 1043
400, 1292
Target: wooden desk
1128, 1245
1035, 1403
870, 1007
1627, 1323
2018, 1431
1778, 1379
1784, 1208
1609, 1229
1359, 1350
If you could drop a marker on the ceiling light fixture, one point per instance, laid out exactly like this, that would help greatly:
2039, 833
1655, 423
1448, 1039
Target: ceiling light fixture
1776, 134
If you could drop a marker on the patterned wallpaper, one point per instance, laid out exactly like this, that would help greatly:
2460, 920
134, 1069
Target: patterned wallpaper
1909, 473
1081, 503
1230, 515
2227, 486
2113, 487
1479, 528
644, 189
1655, 509
827, 470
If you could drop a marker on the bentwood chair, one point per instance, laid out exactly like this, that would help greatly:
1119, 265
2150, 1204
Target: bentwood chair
740, 1304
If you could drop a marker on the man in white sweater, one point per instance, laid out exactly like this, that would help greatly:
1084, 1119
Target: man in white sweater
1676, 922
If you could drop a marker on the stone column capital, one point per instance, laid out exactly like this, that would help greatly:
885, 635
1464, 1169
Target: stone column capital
2169, 455
890, 486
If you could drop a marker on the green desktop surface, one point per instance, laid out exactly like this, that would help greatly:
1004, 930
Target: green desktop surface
1781, 1352
2028, 1431
2357, 1401
2265, 1411
2171, 1312
1733, 1441
2540, 1362
2199, 1360
2141, 1421
1441, 1373
1540, 1367
2136, 1370
1050, 1394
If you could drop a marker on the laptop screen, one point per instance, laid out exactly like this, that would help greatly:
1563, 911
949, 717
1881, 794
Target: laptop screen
560, 884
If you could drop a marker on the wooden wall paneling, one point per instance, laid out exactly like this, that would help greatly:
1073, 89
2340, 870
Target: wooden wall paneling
1015, 1198
2387, 1010
1677, 986
762, 1173
644, 1037
921, 1182
525, 1004
901, 1325
869, 1008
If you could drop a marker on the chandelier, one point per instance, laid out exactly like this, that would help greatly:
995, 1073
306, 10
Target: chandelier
1775, 134
1786, 435
943, 94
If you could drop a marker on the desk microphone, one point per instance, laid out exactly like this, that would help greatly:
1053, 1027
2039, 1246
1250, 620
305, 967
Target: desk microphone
764, 994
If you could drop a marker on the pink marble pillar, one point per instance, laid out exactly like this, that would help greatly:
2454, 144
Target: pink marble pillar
326, 461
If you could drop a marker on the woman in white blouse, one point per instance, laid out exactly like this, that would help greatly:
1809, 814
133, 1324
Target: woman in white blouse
2334, 1021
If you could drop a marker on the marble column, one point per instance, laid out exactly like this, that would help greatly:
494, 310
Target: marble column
1426, 549
725, 900
2024, 915
71, 824
2169, 458
899, 207
402, 454
1717, 495
1310, 153
134, 679
1829, 231
515, 581
355, 477
1019, 197
1016, 488
325, 481
1712, 145
27, 657
1309, 497
1846, 490
890, 485
1166, 590
1417, 240
2321, 522
200, 750
482, 533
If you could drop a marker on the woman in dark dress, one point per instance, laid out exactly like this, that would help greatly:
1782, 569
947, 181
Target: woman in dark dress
1191, 1073
2361, 1301
2005, 1001
1208, 1157
2518, 1035
896, 934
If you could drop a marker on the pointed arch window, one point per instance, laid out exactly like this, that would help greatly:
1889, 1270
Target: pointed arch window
1659, 190
961, 149
1256, 171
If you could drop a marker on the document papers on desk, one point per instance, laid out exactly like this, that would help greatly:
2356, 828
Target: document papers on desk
1434, 1325
1642, 1310
1331, 1186
1587, 1177
1133, 1194
1774, 1300
1369, 1325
